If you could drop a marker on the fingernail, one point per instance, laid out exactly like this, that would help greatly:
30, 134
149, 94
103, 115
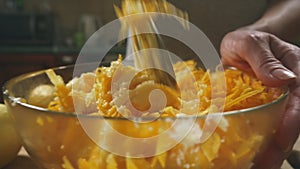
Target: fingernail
283, 74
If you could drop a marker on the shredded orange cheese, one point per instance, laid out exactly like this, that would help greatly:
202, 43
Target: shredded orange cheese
242, 91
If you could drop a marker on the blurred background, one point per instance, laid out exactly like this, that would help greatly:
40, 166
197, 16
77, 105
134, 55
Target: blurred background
38, 34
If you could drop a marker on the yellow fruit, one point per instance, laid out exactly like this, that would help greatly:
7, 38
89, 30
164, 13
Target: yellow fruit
41, 96
9, 141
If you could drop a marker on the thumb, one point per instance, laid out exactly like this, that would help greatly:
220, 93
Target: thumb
265, 63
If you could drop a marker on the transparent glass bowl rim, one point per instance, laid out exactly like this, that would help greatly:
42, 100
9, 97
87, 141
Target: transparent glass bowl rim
17, 101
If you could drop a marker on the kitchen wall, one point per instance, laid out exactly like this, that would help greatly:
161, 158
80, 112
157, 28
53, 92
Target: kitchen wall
217, 17
69, 11
214, 17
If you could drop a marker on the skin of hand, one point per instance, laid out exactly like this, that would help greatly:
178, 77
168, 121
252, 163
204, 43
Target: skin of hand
276, 63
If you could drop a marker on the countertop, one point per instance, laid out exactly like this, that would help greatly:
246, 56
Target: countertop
23, 161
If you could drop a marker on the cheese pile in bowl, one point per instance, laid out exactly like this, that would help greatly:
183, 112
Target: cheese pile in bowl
248, 123
92, 91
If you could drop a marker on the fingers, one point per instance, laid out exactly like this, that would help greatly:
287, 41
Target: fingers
285, 137
252, 50
288, 54
264, 62
231, 50
289, 129
272, 158
276, 63
288, 132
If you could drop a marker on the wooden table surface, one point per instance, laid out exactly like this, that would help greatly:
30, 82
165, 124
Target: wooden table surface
24, 162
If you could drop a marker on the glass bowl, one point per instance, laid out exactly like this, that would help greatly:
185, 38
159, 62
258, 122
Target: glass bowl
57, 140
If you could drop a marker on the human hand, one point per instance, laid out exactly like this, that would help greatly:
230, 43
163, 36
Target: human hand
275, 63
